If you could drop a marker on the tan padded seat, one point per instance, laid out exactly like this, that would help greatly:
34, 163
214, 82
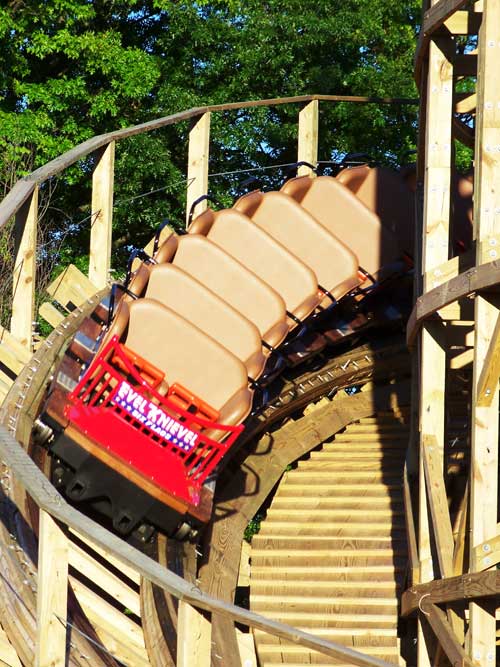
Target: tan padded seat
335, 266
345, 216
186, 355
258, 251
231, 281
386, 193
190, 299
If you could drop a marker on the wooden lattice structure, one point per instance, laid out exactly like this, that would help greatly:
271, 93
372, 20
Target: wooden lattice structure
453, 562
450, 489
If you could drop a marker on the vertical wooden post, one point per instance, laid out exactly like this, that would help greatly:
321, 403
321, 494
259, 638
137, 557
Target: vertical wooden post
23, 286
52, 598
198, 158
484, 459
194, 635
102, 217
434, 252
308, 137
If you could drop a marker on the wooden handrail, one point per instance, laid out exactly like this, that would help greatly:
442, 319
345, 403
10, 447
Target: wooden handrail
23, 188
51, 502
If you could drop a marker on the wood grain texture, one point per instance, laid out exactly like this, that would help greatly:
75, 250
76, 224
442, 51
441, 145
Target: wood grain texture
101, 225
52, 598
308, 137
23, 278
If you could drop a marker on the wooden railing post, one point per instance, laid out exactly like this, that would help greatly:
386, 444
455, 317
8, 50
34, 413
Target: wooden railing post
198, 159
194, 635
102, 217
23, 287
52, 597
484, 456
435, 232
308, 137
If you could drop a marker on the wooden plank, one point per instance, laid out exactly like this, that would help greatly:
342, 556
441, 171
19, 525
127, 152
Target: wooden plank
8, 656
22, 354
467, 104
435, 253
308, 137
438, 503
446, 637
193, 637
71, 288
198, 159
247, 649
484, 277
9, 359
50, 314
440, 12
411, 534
127, 571
23, 279
120, 635
452, 589
488, 380
484, 454
464, 23
486, 555
52, 598
102, 216
244, 571
104, 578
465, 64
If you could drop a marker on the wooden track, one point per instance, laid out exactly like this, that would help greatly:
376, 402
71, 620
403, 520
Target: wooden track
105, 595
331, 553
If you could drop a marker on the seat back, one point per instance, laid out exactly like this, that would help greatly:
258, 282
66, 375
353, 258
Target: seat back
171, 286
251, 245
386, 193
335, 266
345, 216
231, 281
189, 357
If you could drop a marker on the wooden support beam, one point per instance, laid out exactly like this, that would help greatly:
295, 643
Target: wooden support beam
437, 152
434, 254
193, 637
102, 216
440, 12
466, 104
484, 455
488, 380
472, 586
308, 137
465, 64
50, 314
438, 503
23, 279
198, 160
52, 598
411, 534
464, 23
486, 555
446, 637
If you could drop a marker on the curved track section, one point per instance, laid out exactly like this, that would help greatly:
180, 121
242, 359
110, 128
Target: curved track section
115, 617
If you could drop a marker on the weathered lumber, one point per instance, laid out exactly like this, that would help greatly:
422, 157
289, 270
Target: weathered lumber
475, 585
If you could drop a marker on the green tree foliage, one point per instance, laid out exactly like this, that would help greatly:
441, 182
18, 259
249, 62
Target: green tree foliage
76, 68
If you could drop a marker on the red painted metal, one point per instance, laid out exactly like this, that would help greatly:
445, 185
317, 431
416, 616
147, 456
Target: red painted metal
116, 407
